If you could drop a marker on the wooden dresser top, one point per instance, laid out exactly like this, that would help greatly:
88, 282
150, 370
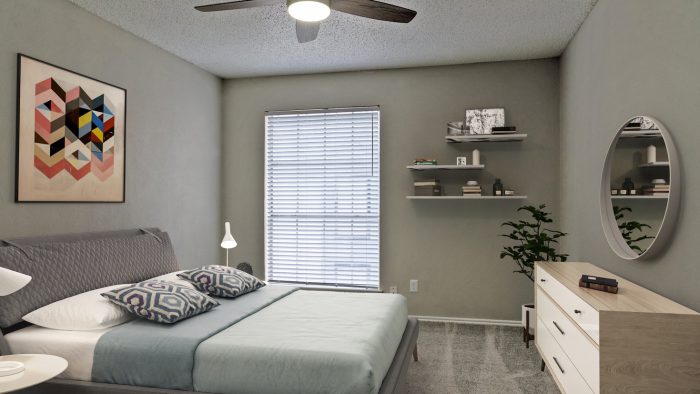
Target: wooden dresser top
630, 298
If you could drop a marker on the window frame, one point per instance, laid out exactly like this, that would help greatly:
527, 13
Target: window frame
376, 167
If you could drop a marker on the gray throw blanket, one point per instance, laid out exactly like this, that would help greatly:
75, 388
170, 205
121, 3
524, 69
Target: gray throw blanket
144, 353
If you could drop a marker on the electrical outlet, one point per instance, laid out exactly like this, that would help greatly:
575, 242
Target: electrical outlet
393, 289
413, 286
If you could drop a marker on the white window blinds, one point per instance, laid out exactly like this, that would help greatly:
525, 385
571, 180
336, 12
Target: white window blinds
322, 197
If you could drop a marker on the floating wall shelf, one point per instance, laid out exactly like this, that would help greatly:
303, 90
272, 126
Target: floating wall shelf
485, 138
656, 164
424, 167
651, 133
466, 197
639, 197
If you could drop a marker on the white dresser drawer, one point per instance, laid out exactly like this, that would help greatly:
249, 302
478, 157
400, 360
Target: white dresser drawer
577, 346
580, 312
559, 364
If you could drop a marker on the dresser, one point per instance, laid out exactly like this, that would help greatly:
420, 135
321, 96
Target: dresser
635, 341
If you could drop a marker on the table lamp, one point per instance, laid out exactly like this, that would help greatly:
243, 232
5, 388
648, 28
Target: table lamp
228, 242
10, 282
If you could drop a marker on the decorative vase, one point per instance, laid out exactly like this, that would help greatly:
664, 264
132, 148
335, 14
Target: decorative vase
476, 157
628, 185
529, 309
498, 188
651, 154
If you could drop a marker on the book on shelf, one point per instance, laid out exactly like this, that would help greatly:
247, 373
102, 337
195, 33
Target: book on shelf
428, 190
503, 130
471, 190
425, 162
656, 190
427, 182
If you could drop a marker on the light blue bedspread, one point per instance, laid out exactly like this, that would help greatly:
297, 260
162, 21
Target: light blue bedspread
308, 342
143, 353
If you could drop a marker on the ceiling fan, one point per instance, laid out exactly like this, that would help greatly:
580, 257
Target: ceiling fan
310, 13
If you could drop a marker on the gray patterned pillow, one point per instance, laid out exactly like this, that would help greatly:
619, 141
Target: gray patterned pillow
221, 281
161, 301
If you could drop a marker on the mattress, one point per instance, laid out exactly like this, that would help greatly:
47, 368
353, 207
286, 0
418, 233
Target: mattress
77, 347
308, 342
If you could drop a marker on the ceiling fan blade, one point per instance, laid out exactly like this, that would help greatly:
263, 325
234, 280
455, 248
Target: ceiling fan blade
235, 5
307, 31
375, 10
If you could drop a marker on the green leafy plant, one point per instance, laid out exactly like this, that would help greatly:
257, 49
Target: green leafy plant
535, 242
631, 230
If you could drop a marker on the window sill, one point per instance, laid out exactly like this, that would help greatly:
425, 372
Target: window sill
329, 288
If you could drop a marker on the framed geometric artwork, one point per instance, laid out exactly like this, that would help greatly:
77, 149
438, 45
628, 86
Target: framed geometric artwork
71, 136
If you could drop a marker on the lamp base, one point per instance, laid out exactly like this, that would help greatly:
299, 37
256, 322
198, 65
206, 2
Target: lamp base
8, 368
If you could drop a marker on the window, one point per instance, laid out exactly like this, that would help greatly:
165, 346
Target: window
322, 197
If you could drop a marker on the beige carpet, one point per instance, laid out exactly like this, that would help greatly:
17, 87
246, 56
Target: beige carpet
465, 358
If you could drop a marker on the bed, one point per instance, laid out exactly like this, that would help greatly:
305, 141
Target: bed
278, 339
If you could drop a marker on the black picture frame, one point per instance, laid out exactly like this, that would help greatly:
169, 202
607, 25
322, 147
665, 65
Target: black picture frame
21, 56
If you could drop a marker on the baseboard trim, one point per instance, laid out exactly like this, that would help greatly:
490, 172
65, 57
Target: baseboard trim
467, 320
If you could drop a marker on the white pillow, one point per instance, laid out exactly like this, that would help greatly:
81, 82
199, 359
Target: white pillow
86, 311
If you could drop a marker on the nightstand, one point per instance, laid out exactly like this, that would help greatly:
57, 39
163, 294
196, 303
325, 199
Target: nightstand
38, 368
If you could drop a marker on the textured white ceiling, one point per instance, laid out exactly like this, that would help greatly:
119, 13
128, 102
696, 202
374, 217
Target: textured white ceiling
262, 41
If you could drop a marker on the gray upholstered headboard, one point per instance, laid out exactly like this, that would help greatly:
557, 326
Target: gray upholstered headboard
65, 265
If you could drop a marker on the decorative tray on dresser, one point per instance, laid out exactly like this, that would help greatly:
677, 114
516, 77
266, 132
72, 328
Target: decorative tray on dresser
635, 341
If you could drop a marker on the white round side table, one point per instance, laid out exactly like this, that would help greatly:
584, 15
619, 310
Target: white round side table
38, 368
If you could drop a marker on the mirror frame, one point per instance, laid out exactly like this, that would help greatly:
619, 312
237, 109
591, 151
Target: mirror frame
610, 227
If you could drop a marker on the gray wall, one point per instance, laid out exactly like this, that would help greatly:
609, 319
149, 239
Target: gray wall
173, 129
632, 57
451, 247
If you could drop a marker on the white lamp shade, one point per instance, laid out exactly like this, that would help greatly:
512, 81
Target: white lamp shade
228, 242
11, 281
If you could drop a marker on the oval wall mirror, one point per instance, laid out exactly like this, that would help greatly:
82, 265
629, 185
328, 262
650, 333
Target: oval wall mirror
640, 189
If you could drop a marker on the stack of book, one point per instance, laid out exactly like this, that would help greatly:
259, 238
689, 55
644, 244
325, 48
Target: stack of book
427, 162
608, 285
471, 190
427, 187
656, 190
504, 130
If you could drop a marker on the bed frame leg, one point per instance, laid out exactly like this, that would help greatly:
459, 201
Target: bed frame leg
415, 353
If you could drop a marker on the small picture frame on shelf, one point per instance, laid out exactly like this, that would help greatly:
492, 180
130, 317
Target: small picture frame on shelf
462, 161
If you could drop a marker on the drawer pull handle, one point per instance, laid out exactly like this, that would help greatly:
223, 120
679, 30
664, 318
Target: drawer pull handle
558, 328
577, 311
557, 362
543, 280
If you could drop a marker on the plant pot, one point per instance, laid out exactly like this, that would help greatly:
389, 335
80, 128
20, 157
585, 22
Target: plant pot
529, 308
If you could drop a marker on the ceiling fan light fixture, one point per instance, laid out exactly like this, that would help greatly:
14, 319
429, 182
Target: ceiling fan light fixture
309, 10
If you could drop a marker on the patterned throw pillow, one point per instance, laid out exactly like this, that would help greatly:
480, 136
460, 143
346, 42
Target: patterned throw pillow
221, 281
161, 301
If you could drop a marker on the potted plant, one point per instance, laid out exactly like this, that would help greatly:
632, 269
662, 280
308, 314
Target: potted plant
533, 242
